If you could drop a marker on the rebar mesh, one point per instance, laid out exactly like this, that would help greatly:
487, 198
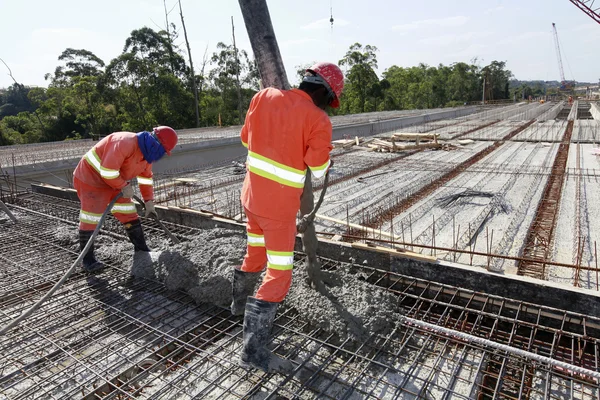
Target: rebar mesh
109, 337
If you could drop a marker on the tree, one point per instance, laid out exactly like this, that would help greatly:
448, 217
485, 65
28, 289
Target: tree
15, 100
362, 63
497, 78
463, 83
223, 77
78, 63
148, 80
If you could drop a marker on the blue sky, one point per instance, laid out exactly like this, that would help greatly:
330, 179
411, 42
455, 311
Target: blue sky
35, 32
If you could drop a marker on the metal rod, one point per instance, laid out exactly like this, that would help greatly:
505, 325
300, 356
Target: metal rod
449, 249
7, 211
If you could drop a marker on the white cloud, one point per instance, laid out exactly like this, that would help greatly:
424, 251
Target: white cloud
448, 22
325, 23
493, 10
446, 40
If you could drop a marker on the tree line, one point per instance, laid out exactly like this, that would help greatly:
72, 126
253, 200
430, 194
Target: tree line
151, 83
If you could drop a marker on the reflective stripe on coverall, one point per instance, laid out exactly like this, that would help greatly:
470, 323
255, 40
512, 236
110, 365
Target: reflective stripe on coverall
103, 171
270, 242
285, 133
94, 202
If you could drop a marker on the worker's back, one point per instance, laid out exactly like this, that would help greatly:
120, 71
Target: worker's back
118, 151
284, 132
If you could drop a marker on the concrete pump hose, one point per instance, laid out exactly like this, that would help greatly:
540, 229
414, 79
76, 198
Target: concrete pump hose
58, 284
164, 228
308, 218
568, 368
7, 211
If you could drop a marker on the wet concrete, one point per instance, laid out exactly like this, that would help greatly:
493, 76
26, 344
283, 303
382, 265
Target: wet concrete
203, 268
355, 309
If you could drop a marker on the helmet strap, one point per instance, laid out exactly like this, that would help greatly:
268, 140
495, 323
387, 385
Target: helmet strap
316, 79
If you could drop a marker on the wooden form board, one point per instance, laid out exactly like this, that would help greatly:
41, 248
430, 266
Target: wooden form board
383, 145
416, 136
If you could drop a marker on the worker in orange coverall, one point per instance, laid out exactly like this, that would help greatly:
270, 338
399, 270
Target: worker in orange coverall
286, 131
107, 169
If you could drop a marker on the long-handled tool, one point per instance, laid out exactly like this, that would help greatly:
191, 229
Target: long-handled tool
62, 280
163, 227
7, 211
306, 226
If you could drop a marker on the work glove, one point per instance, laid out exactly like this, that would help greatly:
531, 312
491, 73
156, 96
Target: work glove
127, 191
150, 210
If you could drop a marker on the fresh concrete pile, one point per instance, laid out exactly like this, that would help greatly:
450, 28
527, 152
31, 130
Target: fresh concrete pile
203, 268
354, 308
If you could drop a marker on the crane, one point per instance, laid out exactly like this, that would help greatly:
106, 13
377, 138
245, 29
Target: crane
587, 6
564, 84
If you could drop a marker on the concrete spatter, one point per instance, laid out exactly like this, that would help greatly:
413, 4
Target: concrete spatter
356, 309
66, 236
201, 267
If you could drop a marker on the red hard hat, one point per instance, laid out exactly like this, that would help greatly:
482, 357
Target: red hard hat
333, 76
167, 137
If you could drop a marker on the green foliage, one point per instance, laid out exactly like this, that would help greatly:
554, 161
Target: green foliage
523, 89
364, 83
416, 87
15, 100
149, 84
224, 82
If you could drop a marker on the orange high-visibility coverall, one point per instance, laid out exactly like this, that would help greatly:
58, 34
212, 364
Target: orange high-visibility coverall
285, 133
103, 171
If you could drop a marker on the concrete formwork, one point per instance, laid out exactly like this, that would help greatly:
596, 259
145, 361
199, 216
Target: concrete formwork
595, 111
93, 349
112, 335
198, 147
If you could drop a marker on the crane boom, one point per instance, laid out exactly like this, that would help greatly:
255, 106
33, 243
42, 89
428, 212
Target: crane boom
587, 6
560, 65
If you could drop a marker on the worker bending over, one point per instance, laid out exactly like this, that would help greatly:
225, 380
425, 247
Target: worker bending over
285, 132
106, 170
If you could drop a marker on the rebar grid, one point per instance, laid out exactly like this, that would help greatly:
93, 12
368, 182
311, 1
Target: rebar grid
110, 337
387, 214
540, 236
441, 221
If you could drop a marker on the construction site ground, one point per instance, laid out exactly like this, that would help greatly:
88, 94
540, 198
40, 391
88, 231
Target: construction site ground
456, 283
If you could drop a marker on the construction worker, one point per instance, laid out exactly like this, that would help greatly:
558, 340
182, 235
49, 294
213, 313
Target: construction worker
285, 132
107, 169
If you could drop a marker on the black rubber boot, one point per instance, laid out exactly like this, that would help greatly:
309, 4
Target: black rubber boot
89, 263
243, 286
136, 235
258, 322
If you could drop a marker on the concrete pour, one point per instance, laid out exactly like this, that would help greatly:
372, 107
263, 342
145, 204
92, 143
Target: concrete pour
354, 309
203, 268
